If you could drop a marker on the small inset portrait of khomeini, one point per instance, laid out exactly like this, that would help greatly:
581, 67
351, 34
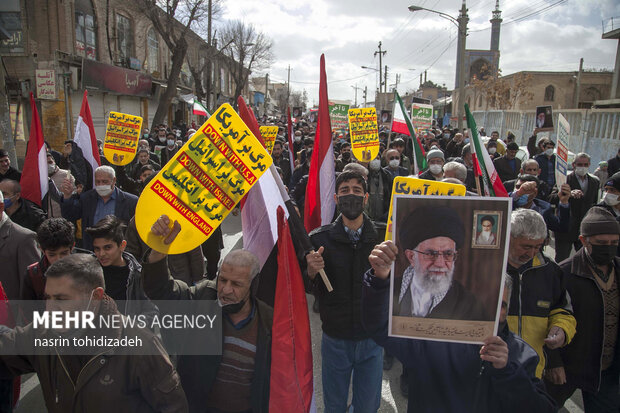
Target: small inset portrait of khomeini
486, 229
431, 237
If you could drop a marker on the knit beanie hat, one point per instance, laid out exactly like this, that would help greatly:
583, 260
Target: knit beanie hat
599, 221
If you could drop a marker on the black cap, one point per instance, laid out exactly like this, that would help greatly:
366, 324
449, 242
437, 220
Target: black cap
614, 181
429, 222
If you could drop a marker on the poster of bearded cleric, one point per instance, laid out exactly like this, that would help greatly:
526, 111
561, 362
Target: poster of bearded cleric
445, 286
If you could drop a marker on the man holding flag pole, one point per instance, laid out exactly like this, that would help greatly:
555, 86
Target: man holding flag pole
342, 251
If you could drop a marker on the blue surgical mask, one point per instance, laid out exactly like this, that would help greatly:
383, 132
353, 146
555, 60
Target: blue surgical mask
8, 202
522, 200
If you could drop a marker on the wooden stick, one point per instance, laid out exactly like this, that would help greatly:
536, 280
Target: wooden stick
328, 285
477, 178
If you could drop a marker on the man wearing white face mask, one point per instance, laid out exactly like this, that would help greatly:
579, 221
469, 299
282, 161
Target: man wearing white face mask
584, 194
94, 204
379, 191
392, 157
435, 160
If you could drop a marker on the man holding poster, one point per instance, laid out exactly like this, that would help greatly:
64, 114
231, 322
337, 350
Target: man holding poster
452, 377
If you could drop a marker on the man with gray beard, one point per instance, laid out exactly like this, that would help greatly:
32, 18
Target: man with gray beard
428, 286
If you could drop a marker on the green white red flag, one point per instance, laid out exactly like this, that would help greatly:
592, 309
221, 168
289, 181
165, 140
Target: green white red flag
492, 184
402, 124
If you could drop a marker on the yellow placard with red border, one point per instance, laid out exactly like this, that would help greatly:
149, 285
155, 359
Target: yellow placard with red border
404, 185
269, 134
121, 138
364, 133
203, 182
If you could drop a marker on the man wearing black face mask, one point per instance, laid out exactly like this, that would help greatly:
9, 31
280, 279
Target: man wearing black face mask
238, 380
345, 157
342, 250
590, 362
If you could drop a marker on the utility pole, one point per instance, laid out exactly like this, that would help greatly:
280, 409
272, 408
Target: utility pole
288, 85
209, 57
578, 84
266, 91
365, 94
380, 53
385, 81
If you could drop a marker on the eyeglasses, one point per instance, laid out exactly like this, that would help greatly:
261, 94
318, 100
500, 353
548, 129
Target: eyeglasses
448, 256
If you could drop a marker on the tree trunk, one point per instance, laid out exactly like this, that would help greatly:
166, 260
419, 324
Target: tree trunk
171, 87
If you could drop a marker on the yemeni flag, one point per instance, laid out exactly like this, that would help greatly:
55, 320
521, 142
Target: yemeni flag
492, 184
289, 136
199, 109
85, 137
320, 204
291, 387
34, 180
402, 124
258, 209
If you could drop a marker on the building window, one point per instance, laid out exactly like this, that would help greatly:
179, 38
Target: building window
153, 50
124, 39
11, 21
549, 93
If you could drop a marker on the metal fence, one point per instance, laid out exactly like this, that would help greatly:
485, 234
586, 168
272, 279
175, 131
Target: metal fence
594, 131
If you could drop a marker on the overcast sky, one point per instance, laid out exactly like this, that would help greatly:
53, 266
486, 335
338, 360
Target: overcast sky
349, 31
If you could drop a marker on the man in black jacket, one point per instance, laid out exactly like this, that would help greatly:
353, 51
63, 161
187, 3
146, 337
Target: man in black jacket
613, 165
450, 377
21, 211
342, 250
91, 206
220, 383
508, 166
584, 194
590, 362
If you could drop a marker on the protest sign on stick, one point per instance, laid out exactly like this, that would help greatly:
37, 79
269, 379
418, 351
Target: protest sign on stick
121, 138
421, 116
364, 133
561, 160
269, 134
203, 182
414, 186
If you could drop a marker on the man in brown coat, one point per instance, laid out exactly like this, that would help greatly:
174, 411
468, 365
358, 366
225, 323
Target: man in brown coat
103, 378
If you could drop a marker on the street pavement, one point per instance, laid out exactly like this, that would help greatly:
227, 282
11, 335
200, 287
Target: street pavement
392, 401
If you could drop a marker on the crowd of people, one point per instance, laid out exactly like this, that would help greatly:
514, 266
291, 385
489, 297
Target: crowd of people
558, 329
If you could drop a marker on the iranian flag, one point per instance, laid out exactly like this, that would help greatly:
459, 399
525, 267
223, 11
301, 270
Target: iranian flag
492, 184
34, 180
85, 137
402, 124
320, 204
199, 109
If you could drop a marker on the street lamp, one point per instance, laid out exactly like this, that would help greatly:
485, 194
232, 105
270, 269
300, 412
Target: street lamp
376, 70
461, 24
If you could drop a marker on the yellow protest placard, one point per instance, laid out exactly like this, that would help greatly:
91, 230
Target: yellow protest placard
121, 138
269, 134
364, 133
404, 185
203, 182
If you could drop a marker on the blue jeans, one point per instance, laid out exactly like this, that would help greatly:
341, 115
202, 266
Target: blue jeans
340, 358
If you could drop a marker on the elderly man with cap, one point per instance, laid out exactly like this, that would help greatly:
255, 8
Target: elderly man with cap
435, 160
601, 172
392, 158
590, 362
431, 238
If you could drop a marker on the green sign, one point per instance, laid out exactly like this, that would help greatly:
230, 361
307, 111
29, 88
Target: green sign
339, 116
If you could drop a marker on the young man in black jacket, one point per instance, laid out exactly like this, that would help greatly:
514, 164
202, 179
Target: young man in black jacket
342, 250
450, 377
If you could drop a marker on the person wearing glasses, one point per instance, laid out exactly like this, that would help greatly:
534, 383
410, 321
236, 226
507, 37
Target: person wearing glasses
428, 286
